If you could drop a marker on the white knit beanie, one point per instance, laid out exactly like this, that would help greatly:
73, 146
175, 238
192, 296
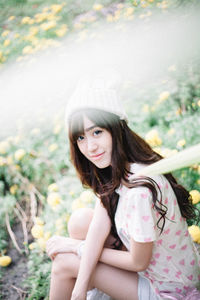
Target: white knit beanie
97, 93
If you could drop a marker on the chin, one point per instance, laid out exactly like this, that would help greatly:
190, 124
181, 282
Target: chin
102, 166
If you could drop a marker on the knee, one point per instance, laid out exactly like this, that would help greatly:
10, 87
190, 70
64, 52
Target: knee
62, 264
79, 223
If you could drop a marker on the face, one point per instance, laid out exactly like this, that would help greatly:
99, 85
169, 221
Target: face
95, 144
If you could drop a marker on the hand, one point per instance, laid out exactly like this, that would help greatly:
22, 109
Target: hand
78, 295
60, 244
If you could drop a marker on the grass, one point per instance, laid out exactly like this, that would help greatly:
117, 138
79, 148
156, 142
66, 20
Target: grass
42, 161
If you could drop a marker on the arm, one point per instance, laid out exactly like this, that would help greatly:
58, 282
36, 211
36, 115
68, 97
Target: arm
98, 231
136, 260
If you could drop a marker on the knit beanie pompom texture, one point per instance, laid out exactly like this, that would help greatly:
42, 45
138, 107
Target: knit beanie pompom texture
97, 93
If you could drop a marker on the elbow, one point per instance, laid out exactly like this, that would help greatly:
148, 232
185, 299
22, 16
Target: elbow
139, 266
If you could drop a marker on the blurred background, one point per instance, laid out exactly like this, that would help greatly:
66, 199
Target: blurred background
151, 47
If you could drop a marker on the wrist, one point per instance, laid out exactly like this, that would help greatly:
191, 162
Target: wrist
80, 249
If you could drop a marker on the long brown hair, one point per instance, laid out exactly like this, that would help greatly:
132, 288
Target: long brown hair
127, 147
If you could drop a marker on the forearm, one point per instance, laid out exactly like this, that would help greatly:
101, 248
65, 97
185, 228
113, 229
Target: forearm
123, 260
89, 259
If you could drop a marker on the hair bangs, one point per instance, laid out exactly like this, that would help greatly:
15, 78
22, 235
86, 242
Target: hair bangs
76, 127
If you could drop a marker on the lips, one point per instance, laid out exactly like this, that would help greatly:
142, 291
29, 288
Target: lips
94, 157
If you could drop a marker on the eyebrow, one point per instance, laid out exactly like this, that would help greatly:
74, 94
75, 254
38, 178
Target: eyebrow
89, 128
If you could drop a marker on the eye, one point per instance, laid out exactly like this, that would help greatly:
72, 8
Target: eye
80, 138
97, 132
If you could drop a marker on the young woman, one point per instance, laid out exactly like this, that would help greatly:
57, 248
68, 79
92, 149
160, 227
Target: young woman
137, 244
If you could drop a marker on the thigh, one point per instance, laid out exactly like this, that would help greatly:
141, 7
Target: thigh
117, 283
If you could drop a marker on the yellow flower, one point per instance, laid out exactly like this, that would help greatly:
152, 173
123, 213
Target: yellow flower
129, 11
25, 20
16, 35
144, 4
5, 261
13, 189
27, 50
145, 108
5, 33
37, 231
195, 196
53, 147
38, 221
178, 111
48, 25
57, 129
97, 7
194, 231
53, 187
40, 17
76, 204
59, 224
109, 18
53, 199
56, 8
11, 18
152, 138
47, 235
164, 96
171, 131
78, 25
9, 160
61, 31
45, 9
41, 243
33, 30
4, 145
17, 167
198, 181
165, 152
87, 196
19, 154
181, 143
6, 42
32, 246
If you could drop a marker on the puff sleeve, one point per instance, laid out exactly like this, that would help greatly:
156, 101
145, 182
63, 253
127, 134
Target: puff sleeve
141, 217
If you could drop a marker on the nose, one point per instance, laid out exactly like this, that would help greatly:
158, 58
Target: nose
91, 145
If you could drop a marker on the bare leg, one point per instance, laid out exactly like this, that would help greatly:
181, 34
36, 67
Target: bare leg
64, 272
117, 283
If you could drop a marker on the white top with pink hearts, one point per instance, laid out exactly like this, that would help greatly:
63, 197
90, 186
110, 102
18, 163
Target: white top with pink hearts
175, 264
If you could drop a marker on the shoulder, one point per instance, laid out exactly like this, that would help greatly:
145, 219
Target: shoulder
136, 167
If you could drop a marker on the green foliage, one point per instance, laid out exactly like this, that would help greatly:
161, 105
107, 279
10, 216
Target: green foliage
39, 276
36, 158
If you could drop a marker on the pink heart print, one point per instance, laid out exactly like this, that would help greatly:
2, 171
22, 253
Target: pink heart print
145, 218
190, 277
144, 195
169, 257
178, 232
172, 246
192, 263
184, 247
182, 262
157, 255
166, 270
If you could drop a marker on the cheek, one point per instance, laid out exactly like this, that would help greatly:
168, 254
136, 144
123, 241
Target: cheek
81, 148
